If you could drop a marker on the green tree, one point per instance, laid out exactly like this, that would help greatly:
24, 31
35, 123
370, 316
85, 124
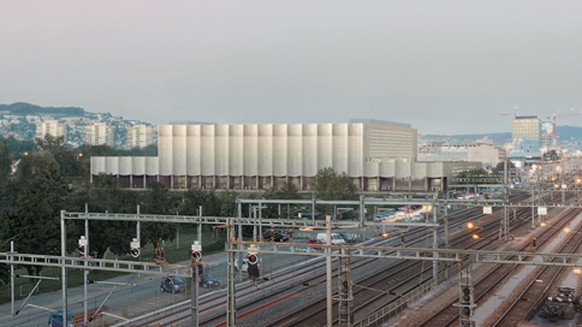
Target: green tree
4, 273
552, 155
329, 185
50, 143
5, 164
500, 167
105, 235
286, 191
157, 200
33, 220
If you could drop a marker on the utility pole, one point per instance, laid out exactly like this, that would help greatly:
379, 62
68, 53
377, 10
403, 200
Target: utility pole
230, 277
435, 243
345, 289
505, 196
12, 276
537, 172
63, 266
196, 256
328, 271
86, 271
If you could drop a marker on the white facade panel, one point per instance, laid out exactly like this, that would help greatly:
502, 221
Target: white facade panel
250, 150
125, 166
403, 169
165, 149
355, 150
280, 150
265, 150
236, 154
221, 150
152, 166
138, 166
309, 161
193, 155
340, 148
112, 165
295, 150
98, 165
324, 146
207, 149
372, 169
386, 169
434, 170
179, 150
419, 170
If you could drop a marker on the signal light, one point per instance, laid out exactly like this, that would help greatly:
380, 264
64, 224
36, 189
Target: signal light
134, 248
253, 266
253, 262
82, 246
252, 259
196, 255
466, 295
196, 252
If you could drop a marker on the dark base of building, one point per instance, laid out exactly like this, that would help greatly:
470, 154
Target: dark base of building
258, 183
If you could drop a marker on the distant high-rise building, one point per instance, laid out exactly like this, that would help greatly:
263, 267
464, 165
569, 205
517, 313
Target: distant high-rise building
140, 136
51, 127
526, 128
99, 134
547, 134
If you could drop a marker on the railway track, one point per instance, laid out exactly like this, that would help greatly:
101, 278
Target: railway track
303, 280
387, 287
524, 305
299, 279
448, 315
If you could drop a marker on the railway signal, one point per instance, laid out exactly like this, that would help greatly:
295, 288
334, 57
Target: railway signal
134, 248
253, 261
466, 304
196, 252
82, 246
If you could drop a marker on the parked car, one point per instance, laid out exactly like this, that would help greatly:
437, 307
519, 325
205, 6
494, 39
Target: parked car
349, 238
275, 235
172, 284
315, 241
336, 238
208, 281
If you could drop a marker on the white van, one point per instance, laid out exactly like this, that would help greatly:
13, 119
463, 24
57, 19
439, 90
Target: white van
335, 238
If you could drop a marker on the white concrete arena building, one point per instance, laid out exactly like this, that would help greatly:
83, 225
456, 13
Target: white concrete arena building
375, 155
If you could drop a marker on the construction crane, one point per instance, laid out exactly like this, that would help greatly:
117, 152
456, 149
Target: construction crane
515, 113
554, 119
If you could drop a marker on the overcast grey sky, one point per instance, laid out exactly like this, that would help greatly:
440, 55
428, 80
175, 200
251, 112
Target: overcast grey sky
447, 67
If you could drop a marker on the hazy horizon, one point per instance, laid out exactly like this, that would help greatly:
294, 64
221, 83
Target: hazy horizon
449, 67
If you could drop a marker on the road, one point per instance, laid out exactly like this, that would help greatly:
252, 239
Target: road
141, 296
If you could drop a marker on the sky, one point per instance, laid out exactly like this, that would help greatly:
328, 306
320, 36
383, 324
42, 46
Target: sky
444, 67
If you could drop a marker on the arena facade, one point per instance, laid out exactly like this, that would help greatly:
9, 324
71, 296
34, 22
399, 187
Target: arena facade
375, 155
